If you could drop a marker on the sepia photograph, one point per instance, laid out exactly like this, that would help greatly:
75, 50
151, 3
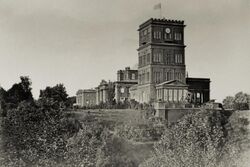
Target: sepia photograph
124, 83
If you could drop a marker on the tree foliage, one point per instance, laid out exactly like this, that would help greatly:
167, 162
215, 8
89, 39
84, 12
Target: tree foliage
34, 133
114, 151
201, 138
19, 92
228, 102
240, 101
54, 96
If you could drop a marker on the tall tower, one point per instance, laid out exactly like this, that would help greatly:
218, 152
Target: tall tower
161, 55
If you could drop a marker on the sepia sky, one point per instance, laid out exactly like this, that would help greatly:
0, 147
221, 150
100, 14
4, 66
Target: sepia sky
80, 42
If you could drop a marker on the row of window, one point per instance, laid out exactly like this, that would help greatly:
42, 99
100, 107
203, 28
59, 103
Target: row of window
159, 58
167, 36
158, 77
158, 35
169, 75
126, 76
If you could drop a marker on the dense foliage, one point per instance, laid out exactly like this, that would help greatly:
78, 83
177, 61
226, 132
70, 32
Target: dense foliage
241, 101
18, 92
203, 138
55, 96
34, 133
148, 132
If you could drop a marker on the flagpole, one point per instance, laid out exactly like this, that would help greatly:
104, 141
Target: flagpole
161, 13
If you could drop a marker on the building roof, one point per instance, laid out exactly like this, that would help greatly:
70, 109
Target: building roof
161, 21
172, 83
81, 91
198, 79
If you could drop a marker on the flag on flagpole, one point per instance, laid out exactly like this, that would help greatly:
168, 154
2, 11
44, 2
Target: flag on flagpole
157, 6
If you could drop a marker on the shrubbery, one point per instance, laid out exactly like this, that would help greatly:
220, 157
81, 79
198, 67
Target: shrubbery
147, 132
203, 138
34, 134
241, 101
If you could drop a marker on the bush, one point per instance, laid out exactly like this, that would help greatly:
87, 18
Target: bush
204, 138
34, 135
139, 132
115, 152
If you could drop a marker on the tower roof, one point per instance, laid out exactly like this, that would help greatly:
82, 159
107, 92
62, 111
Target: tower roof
162, 22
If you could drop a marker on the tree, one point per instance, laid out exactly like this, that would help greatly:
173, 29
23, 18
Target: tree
241, 101
203, 138
228, 102
82, 147
33, 133
70, 101
19, 92
111, 94
55, 96
2, 102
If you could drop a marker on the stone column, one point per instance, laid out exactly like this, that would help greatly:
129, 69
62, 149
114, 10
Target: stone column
97, 97
162, 92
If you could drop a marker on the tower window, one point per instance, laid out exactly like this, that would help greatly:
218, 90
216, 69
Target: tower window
140, 61
157, 35
178, 59
167, 36
148, 58
178, 36
158, 56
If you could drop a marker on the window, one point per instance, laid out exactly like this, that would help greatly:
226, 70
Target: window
167, 36
133, 76
157, 77
122, 90
178, 36
143, 78
168, 58
148, 58
157, 35
144, 60
178, 76
169, 76
158, 57
147, 76
178, 58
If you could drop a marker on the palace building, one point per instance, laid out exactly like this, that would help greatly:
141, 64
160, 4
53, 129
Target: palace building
161, 76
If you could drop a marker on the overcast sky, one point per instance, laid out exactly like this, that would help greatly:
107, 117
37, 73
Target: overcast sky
80, 42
